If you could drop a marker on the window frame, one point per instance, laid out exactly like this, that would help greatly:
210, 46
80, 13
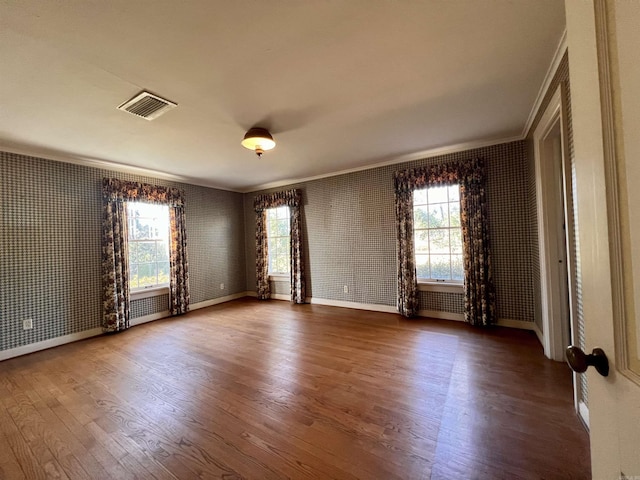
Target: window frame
137, 293
433, 284
278, 276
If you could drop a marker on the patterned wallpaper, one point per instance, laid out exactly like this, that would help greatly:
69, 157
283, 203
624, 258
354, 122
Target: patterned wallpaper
50, 247
350, 234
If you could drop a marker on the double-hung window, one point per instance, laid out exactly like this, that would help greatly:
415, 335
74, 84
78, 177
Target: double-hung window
148, 226
437, 234
279, 238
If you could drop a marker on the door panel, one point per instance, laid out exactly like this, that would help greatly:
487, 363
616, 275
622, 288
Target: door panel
603, 38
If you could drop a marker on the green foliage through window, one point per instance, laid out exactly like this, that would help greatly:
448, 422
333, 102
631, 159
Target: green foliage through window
437, 233
148, 226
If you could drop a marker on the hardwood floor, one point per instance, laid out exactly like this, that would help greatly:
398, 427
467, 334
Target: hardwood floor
266, 390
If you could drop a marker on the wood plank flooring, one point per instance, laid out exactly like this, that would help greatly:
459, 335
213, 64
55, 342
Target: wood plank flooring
267, 390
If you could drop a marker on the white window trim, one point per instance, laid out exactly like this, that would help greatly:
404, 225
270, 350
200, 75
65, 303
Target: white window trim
442, 287
279, 277
155, 291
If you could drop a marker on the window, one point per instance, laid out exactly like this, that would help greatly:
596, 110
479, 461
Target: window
278, 236
148, 245
437, 234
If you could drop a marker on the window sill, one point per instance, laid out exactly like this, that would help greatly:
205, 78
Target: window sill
149, 292
441, 287
279, 277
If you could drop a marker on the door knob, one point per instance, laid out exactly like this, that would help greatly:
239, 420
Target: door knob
579, 361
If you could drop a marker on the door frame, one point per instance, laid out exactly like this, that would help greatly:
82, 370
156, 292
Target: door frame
554, 295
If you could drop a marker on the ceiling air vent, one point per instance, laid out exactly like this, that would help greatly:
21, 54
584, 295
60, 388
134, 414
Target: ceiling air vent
147, 106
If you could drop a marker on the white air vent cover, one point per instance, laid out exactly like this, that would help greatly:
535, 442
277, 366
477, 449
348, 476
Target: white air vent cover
147, 106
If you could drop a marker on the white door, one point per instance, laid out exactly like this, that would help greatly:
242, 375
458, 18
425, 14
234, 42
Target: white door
604, 62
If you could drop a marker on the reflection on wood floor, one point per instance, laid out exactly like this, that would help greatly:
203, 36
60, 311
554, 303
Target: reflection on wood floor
265, 390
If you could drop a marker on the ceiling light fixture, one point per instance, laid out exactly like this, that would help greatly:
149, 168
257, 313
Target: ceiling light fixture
258, 140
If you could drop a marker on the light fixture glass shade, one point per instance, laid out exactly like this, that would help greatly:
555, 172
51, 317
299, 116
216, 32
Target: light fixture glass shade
258, 140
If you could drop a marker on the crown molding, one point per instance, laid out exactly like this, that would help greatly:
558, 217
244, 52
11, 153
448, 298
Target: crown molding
108, 165
421, 155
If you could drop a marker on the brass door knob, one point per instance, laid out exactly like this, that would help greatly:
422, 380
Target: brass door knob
579, 361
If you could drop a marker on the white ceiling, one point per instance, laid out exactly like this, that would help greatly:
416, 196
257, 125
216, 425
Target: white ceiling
341, 84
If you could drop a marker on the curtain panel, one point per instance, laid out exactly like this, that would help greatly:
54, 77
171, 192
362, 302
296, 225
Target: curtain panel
115, 250
292, 199
479, 292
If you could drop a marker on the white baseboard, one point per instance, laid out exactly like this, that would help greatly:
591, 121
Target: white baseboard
52, 342
521, 324
148, 318
273, 296
458, 317
504, 322
94, 332
74, 337
216, 301
372, 307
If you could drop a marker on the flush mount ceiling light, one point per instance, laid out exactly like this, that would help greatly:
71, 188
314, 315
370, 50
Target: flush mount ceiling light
258, 140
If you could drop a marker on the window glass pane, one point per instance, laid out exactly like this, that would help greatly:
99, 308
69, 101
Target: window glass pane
420, 196
454, 214
454, 193
422, 266
272, 227
437, 194
438, 215
455, 237
457, 270
421, 217
440, 267
146, 252
133, 276
282, 245
147, 274
163, 272
282, 227
282, 212
421, 241
162, 251
281, 264
131, 226
439, 241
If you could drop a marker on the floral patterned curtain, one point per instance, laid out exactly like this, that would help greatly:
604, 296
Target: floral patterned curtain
478, 283
115, 265
407, 297
115, 268
479, 298
292, 199
178, 262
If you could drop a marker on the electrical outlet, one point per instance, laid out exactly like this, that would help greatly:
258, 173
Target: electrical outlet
222, 286
346, 289
27, 324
